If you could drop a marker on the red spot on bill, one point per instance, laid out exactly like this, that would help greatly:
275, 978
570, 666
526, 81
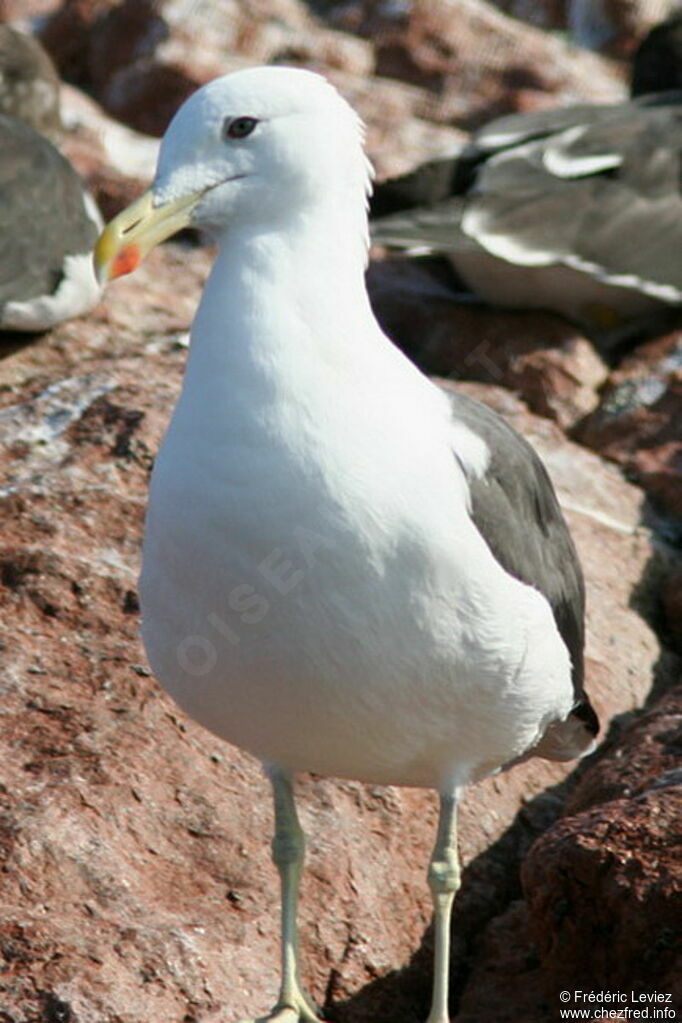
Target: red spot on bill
127, 260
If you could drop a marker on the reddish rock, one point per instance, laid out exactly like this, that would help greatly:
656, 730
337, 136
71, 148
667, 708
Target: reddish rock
601, 913
639, 420
646, 753
122, 34
100, 45
604, 890
485, 63
537, 354
604, 885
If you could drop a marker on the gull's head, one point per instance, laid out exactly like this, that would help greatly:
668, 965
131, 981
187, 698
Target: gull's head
256, 147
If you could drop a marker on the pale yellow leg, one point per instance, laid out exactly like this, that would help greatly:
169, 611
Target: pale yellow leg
288, 848
444, 880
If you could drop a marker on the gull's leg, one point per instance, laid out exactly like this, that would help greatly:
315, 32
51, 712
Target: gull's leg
287, 853
288, 847
444, 880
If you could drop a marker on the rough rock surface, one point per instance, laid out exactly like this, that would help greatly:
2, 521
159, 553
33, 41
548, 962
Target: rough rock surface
638, 422
604, 886
495, 64
643, 753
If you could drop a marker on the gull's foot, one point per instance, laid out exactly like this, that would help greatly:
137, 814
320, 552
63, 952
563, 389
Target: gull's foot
301, 1013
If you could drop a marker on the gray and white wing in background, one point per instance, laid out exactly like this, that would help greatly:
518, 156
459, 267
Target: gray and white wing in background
48, 220
576, 210
48, 226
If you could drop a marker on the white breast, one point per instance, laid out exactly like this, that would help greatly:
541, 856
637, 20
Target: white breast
315, 592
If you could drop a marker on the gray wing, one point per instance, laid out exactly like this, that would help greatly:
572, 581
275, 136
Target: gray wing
603, 197
436, 228
42, 216
437, 181
515, 509
440, 179
597, 189
512, 130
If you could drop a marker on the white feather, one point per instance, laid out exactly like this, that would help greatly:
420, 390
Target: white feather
314, 589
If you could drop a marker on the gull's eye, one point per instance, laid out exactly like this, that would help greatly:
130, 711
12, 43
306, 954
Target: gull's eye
238, 127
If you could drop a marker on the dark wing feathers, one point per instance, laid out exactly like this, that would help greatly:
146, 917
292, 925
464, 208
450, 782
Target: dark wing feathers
515, 509
427, 184
42, 217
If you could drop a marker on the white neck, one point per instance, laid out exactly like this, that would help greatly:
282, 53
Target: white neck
298, 286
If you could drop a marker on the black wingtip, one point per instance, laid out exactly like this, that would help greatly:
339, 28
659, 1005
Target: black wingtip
584, 712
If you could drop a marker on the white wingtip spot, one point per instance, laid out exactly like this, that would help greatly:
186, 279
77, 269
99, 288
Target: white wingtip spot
472, 451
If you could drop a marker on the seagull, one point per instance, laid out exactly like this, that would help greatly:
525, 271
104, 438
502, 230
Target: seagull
346, 570
48, 221
576, 209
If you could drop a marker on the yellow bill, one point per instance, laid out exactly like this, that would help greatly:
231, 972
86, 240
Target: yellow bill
131, 235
